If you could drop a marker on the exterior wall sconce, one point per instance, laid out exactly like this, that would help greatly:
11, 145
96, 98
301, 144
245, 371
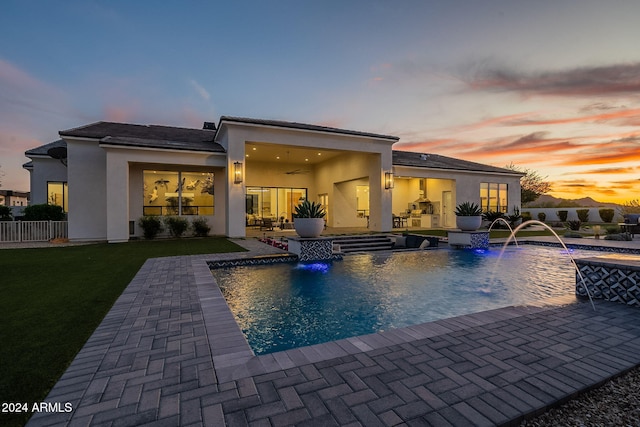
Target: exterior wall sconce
237, 173
388, 180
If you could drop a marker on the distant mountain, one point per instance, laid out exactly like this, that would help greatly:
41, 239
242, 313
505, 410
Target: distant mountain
546, 201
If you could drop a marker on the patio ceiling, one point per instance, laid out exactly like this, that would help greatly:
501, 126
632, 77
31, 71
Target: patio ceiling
260, 152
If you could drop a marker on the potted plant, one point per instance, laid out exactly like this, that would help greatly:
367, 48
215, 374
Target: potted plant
468, 216
308, 219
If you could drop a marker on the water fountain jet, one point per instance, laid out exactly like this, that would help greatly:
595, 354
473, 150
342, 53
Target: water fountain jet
534, 221
508, 225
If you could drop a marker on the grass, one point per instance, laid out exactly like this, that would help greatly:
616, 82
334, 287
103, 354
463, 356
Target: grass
52, 299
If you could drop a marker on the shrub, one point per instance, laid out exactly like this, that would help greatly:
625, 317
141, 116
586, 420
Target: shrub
606, 215
492, 216
562, 215
526, 216
151, 226
44, 212
583, 214
5, 213
574, 224
177, 225
200, 227
612, 229
515, 217
542, 216
619, 236
572, 234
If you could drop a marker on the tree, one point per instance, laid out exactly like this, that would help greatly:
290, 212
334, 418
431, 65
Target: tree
532, 184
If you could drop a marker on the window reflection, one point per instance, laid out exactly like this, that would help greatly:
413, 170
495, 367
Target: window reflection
178, 193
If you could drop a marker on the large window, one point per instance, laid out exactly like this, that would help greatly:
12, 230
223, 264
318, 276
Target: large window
178, 193
58, 194
493, 197
272, 202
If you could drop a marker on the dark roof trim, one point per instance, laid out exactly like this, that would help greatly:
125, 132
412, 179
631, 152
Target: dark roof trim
101, 130
44, 149
436, 161
210, 147
302, 126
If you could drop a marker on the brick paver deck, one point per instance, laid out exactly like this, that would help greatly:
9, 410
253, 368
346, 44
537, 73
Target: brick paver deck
169, 353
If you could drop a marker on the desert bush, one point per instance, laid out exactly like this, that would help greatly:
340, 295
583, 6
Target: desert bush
200, 227
542, 216
612, 229
630, 207
44, 212
574, 224
562, 215
583, 214
151, 226
177, 225
606, 215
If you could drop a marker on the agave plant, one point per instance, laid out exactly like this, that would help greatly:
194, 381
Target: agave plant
308, 209
468, 209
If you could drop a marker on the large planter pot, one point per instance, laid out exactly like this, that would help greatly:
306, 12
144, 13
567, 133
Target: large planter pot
468, 223
308, 227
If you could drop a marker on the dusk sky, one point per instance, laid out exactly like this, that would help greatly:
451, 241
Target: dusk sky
552, 86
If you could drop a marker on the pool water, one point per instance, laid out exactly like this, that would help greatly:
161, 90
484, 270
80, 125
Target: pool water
284, 306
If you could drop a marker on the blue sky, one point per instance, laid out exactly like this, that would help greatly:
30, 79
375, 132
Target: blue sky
549, 85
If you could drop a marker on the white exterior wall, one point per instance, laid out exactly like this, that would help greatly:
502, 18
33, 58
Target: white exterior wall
233, 136
45, 169
125, 189
87, 177
467, 183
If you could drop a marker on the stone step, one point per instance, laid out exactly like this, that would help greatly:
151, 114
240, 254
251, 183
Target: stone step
363, 243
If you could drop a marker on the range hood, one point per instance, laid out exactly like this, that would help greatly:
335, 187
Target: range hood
422, 200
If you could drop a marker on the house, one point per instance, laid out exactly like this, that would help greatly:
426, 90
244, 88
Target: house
13, 198
107, 175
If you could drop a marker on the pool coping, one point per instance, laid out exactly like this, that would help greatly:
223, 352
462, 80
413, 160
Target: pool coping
234, 359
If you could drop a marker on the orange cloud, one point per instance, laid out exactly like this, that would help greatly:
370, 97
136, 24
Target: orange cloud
622, 117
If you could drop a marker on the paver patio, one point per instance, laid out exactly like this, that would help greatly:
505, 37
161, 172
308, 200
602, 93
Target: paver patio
159, 358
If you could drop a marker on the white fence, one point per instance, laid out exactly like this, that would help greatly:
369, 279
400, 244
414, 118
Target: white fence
32, 231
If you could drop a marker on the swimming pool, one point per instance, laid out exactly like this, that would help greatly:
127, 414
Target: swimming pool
284, 306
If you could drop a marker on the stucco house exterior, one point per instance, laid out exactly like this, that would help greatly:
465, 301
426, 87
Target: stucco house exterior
107, 175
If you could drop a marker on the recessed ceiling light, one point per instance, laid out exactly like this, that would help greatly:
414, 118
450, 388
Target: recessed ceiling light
306, 160
277, 157
254, 148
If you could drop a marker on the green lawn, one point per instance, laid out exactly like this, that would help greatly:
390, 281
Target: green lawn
52, 299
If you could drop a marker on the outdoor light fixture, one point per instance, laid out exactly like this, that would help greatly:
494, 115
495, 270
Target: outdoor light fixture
388, 180
237, 172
